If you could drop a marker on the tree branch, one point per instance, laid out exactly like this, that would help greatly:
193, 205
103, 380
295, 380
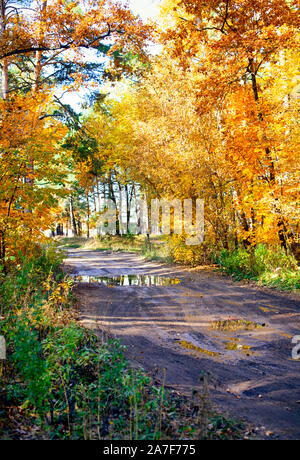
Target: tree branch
32, 49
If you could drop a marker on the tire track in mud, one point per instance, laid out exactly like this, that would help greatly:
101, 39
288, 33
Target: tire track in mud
171, 327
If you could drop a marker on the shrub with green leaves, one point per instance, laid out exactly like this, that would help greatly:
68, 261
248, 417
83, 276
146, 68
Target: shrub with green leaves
269, 266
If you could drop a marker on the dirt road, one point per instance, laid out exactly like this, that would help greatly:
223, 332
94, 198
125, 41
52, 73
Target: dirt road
241, 335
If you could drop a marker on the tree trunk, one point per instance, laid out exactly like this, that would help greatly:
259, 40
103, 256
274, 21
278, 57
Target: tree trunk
120, 208
95, 199
112, 196
38, 55
72, 219
2, 246
88, 215
272, 174
129, 197
37, 71
98, 194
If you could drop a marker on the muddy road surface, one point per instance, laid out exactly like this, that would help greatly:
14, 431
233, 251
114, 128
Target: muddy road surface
199, 321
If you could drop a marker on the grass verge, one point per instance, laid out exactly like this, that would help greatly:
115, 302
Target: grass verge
271, 267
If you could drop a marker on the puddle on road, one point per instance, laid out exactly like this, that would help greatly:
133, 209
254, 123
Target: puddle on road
287, 336
192, 347
235, 345
127, 280
235, 325
268, 309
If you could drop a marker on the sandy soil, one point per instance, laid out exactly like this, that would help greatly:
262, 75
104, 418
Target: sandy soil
252, 371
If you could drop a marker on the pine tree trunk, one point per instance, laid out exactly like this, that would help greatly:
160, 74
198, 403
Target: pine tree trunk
72, 219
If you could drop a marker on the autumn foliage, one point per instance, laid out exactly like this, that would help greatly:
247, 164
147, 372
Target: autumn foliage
42, 54
213, 115
30, 169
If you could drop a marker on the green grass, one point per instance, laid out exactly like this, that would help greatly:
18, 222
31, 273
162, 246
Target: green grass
285, 280
271, 267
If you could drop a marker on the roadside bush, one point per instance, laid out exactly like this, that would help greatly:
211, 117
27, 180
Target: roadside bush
185, 254
269, 266
73, 388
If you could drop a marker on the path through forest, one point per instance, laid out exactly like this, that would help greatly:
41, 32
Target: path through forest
240, 334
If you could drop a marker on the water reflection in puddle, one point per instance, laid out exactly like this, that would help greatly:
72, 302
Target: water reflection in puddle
193, 347
235, 325
127, 280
